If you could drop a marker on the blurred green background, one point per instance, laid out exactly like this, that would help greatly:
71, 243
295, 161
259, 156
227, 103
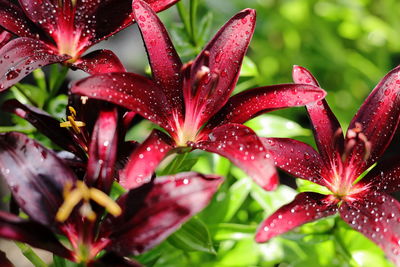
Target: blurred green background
348, 45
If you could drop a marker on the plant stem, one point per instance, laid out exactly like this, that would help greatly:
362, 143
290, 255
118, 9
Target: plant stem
31, 255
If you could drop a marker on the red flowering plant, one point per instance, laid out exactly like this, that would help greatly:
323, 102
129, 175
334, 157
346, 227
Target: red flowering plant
58, 201
52, 31
364, 202
192, 102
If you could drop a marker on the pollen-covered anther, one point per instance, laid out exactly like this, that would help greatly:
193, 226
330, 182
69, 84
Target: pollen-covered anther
356, 136
74, 124
72, 197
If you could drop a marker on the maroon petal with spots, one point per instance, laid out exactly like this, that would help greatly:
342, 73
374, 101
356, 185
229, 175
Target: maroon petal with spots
103, 151
36, 177
131, 91
171, 202
244, 148
250, 103
4, 38
327, 131
296, 158
385, 177
306, 207
14, 20
215, 71
21, 56
14, 228
378, 118
145, 159
46, 124
99, 61
377, 217
164, 61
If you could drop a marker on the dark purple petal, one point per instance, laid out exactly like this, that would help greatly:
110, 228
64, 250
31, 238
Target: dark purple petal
32, 233
103, 151
250, 103
296, 158
306, 207
327, 131
377, 119
14, 20
46, 124
377, 217
215, 71
145, 159
244, 148
4, 38
172, 201
385, 177
21, 56
164, 61
131, 91
99, 61
4, 261
36, 177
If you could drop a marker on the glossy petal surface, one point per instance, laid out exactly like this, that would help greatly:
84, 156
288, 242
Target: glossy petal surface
164, 61
131, 91
376, 216
378, 117
99, 61
103, 151
4, 38
385, 177
244, 148
46, 124
172, 201
221, 59
253, 102
327, 131
145, 159
32, 233
21, 56
306, 207
36, 177
296, 158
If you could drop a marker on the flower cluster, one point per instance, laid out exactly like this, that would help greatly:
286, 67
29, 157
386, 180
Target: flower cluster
65, 196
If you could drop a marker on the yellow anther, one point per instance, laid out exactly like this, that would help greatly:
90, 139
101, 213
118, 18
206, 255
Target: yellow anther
72, 122
85, 194
104, 200
72, 111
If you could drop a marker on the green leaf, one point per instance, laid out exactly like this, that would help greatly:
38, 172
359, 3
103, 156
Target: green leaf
31, 255
276, 126
307, 186
271, 201
231, 231
237, 194
249, 68
58, 261
57, 106
193, 236
40, 79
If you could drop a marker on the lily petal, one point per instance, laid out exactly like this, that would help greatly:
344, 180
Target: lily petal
99, 61
131, 91
36, 177
306, 207
4, 38
376, 216
250, 103
164, 60
4, 261
378, 118
244, 148
32, 233
218, 67
15, 21
46, 124
21, 56
103, 151
296, 158
172, 201
327, 131
145, 159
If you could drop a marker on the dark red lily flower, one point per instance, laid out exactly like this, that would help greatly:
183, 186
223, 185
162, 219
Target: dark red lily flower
192, 103
61, 31
364, 204
57, 202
